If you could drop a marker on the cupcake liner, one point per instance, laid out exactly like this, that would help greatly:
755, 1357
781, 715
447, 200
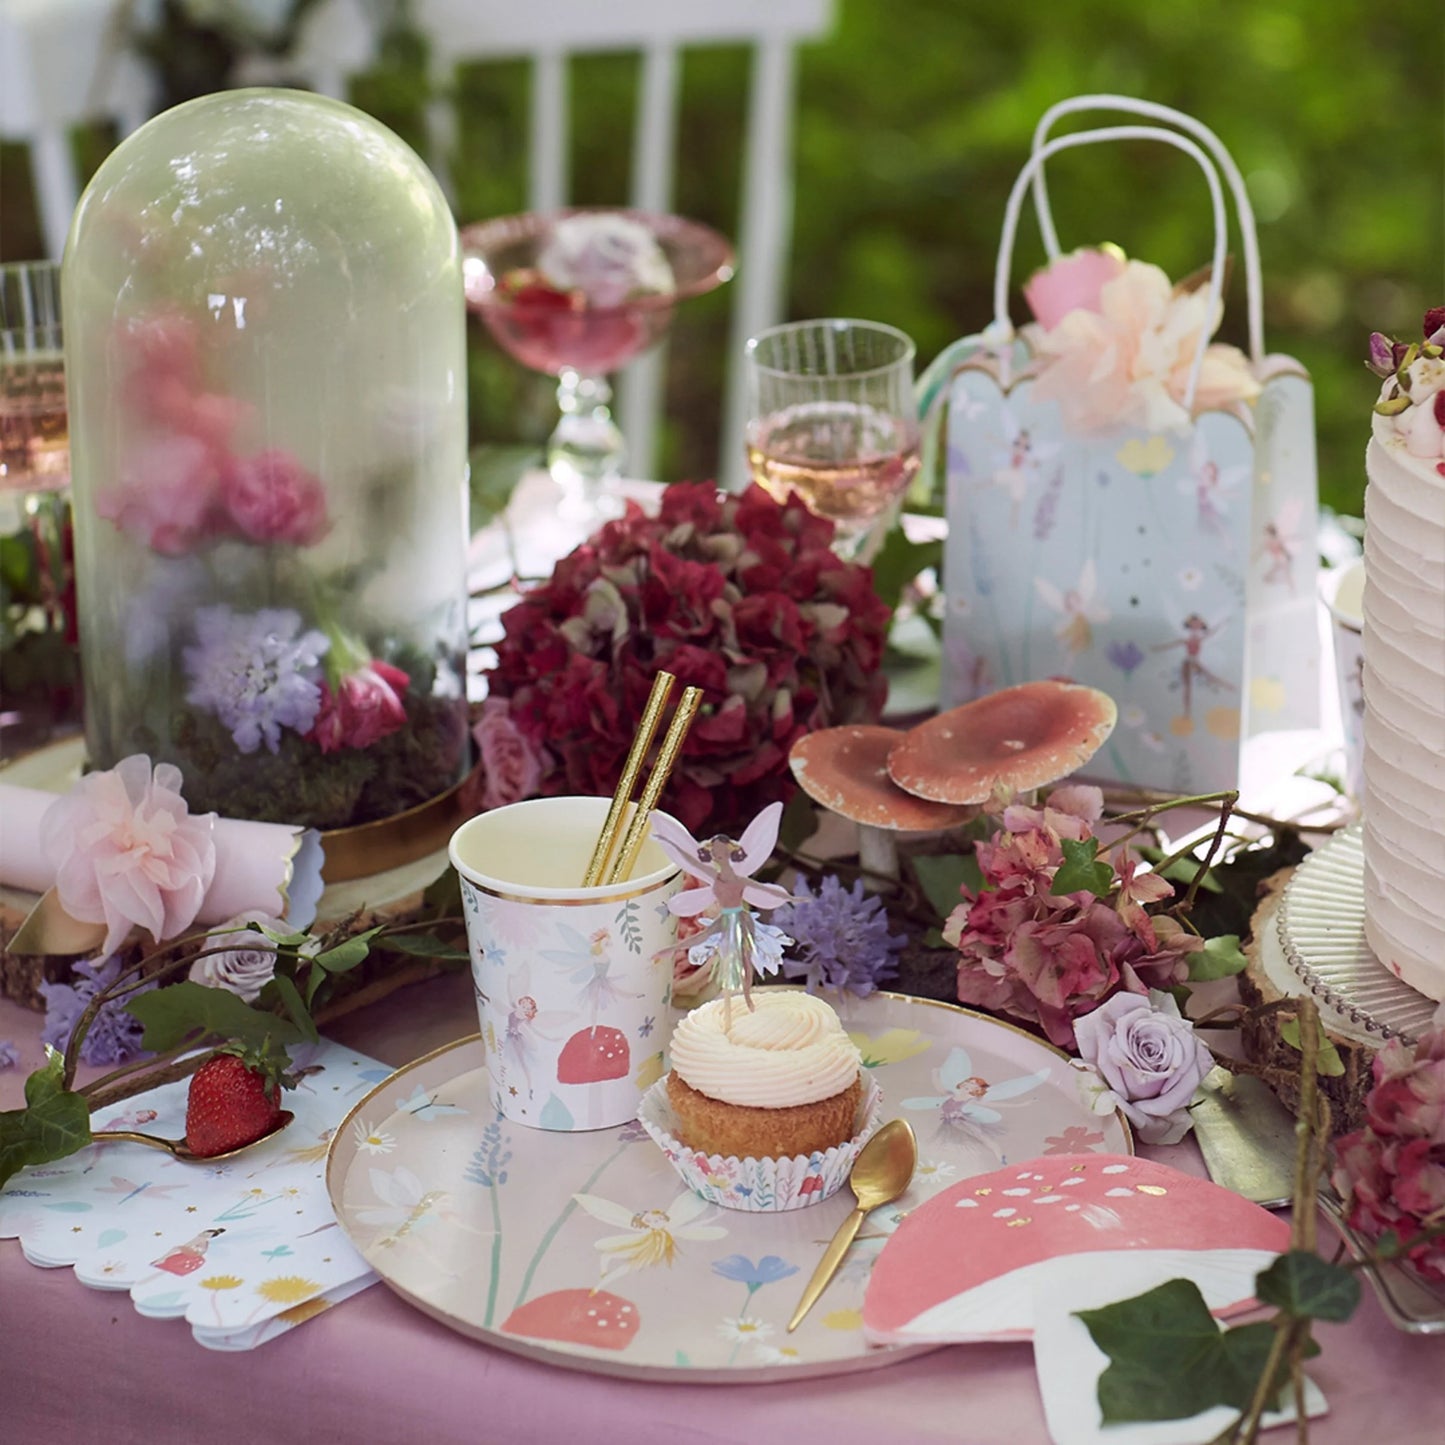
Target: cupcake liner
760, 1186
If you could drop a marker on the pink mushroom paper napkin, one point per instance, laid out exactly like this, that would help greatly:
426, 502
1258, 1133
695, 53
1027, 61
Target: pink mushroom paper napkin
243, 1249
1013, 1254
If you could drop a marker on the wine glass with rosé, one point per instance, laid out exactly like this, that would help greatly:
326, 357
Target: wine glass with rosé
832, 418
577, 294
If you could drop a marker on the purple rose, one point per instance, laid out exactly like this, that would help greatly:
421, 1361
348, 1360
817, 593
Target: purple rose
1149, 1060
248, 963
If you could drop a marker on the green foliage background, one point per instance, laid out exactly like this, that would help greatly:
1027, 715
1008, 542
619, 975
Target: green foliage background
912, 122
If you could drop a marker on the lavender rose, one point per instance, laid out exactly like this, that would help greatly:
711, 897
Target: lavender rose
1148, 1062
249, 961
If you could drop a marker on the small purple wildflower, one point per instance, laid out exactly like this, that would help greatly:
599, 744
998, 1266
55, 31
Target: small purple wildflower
9, 1054
1126, 656
255, 673
841, 937
114, 1035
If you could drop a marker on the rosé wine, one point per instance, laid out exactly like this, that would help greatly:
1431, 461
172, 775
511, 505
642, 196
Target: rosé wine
34, 432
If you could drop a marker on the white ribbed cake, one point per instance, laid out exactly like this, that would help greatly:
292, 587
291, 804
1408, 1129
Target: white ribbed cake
1404, 641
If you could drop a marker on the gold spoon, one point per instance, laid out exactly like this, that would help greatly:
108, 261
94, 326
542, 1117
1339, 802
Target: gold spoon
880, 1174
180, 1149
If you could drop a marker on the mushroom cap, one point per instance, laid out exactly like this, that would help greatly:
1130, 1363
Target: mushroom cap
846, 770
593, 1055
594, 1318
969, 1264
1017, 738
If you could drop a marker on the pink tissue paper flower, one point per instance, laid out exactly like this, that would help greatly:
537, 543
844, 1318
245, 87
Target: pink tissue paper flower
1128, 362
127, 851
271, 497
1147, 1060
1071, 283
511, 764
365, 707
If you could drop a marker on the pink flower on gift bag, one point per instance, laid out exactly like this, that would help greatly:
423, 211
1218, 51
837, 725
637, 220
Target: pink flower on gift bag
1071, 283
364, 707
127, 851
271, 497
168, 496
511, 764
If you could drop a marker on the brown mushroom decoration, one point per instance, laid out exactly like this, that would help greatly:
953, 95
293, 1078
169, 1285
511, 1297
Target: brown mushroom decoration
1015, 739
846, 770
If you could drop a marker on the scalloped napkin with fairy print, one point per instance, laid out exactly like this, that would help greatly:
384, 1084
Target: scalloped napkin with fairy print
243, 1249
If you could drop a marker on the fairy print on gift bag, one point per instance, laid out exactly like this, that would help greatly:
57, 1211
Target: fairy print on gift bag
1131, 506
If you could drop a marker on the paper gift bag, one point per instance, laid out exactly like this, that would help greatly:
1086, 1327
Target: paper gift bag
1130, 509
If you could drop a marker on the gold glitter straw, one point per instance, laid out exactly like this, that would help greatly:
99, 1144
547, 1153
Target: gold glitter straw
671, 745
651, 717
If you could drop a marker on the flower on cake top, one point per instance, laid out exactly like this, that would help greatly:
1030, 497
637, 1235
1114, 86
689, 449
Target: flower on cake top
609, 258
1122, 351
1413, 397
257, 672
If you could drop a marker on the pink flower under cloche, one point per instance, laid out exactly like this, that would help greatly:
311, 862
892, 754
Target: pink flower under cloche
128, 851
363, 708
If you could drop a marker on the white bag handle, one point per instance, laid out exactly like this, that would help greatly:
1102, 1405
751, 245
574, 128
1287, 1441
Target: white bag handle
1003, 329
1249, 236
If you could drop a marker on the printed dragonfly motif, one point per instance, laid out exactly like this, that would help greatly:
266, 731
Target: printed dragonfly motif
129, 1189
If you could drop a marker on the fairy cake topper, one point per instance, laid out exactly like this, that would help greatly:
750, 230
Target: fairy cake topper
735, 944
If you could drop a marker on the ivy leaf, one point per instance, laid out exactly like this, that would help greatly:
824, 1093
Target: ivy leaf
173, 1014
443, 899
1307, 1287
1327, 1062
281, 940
346, 955
1081, 870
54, 1123
1219, 958
943, 876
1168, 1358
284, 989
425, 945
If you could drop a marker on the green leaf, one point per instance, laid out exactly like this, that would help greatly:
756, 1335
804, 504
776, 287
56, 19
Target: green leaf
799, 822
425, 945
1169, 1360
1219, 958
899, 561
1181, 870
1081, 871
281, 940
1328, 1062
443, 899
944, 876
1307, 1287
348, 954
291, 1000
54, 1123
173, 1014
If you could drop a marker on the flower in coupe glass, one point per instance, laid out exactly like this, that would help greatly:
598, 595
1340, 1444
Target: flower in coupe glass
128, 851
256, 673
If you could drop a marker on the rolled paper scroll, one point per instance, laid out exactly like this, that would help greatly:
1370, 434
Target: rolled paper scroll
274, 868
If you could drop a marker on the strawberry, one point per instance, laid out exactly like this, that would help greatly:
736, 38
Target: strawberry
234, 1099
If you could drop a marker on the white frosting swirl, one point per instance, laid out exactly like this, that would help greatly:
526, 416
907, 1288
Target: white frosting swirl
789, 1049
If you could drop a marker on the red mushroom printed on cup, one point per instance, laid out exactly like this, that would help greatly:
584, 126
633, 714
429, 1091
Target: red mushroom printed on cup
845, 769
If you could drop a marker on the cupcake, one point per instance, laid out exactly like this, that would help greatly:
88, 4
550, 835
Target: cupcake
765, 1107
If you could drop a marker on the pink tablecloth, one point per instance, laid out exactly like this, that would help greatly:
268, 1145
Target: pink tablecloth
77, 1365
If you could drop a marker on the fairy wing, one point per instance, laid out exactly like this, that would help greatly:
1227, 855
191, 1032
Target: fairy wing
1051, 595
605, 1210
1012, 1088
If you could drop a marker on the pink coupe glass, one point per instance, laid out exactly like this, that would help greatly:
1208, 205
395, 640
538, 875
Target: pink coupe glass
565, 334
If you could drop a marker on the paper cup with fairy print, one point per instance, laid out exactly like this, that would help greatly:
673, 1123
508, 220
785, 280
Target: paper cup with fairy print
573, 984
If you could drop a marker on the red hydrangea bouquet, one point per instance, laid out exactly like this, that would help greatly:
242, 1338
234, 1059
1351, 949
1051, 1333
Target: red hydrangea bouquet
737, 594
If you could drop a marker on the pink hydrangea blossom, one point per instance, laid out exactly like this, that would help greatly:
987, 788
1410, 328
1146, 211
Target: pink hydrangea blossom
271, 497
511, 764
364, 707
1391, 1173
1071, 283
1147, 1062
168, 497
127, 851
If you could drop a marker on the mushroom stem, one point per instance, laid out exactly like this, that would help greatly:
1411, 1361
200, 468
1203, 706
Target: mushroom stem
878, 857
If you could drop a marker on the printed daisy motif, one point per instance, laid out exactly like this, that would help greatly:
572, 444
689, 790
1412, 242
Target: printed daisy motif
373, 1140
767, 1354
1191, 579
933, 1172
650, 1235
744, 1329
287, 1289
890, 1047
